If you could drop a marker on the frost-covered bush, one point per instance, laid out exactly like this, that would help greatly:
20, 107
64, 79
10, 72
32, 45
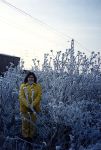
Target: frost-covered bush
71, 97
9, 88
72, 94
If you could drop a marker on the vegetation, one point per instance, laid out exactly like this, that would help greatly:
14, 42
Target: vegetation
71, 103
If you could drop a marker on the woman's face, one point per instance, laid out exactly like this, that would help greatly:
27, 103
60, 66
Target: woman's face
31, 79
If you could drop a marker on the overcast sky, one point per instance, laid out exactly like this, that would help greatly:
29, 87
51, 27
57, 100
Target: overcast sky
52, 25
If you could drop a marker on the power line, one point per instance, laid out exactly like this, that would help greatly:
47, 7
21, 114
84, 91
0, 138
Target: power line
22, 28
41, 22
35, 19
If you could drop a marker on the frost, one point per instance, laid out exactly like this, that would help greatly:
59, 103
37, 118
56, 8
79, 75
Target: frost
71, 103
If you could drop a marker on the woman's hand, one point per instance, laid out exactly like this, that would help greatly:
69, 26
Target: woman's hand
31, 109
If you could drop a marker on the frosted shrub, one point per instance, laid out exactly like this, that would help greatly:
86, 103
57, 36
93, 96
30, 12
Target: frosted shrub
9, 97
71, 96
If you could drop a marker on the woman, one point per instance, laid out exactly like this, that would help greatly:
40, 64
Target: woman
30, 97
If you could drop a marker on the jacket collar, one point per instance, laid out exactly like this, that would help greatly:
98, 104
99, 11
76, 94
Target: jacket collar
27, 84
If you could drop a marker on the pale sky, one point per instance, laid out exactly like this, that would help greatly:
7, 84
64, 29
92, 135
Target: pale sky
52, 25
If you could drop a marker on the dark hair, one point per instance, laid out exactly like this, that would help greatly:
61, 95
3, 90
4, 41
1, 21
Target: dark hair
30, 73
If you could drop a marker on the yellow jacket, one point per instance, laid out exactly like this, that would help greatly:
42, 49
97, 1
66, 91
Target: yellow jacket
30, 94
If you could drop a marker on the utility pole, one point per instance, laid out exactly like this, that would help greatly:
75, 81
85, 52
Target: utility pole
72, 44
72, 57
